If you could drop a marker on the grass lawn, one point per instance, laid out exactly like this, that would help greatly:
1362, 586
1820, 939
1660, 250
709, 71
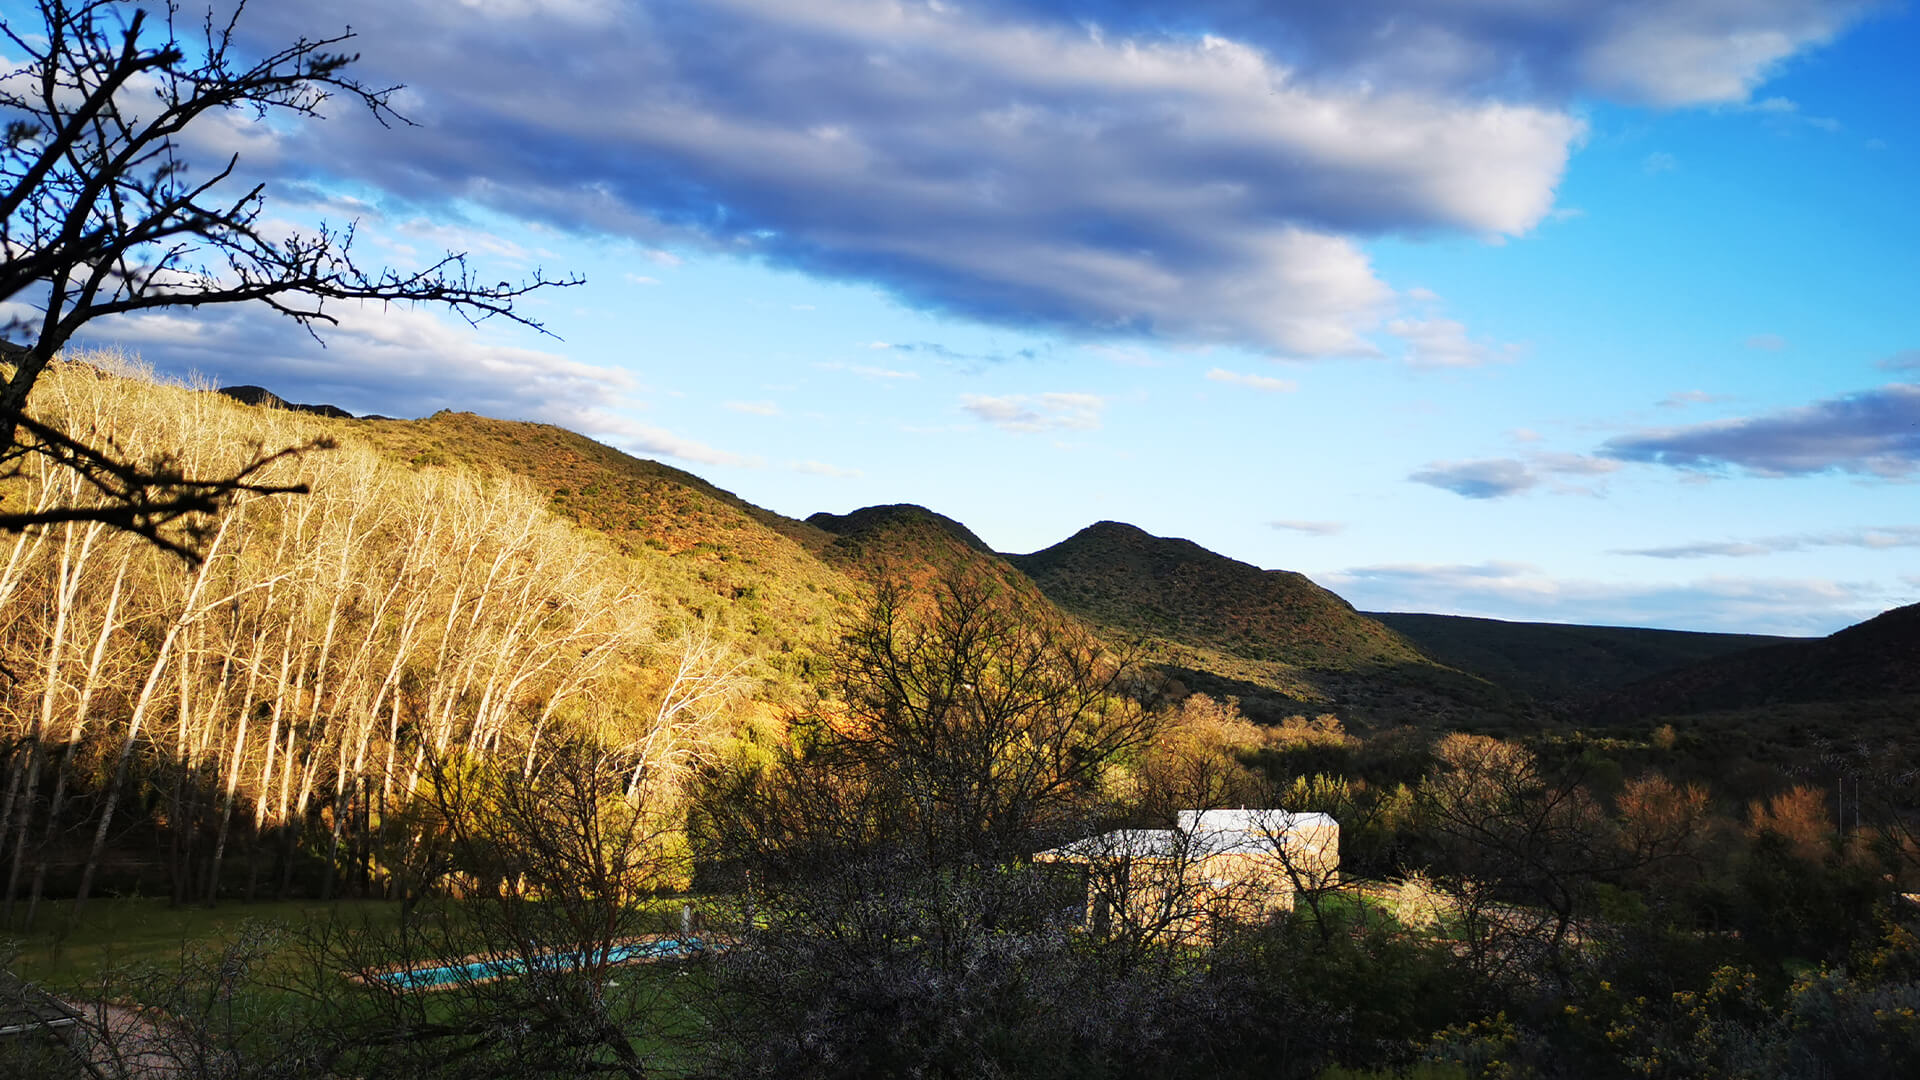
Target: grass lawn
122, 932
130, 935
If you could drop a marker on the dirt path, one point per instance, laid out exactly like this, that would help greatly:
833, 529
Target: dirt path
129, 1043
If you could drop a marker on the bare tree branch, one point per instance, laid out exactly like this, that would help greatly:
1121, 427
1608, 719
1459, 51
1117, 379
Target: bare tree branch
99, 215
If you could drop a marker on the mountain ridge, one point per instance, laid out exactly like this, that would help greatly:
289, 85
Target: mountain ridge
1874, 660
1273, 638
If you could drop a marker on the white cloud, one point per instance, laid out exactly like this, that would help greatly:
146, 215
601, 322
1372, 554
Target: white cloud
1485, 478
1680, 399
1659, 162
1443, 343
1494, 478
1515, 590
1880, 538
401, 361
989, 162
1867, 433
1686, 53
1311, 528
1253, 382
867, 371
1036, 412
641, 279
821, 468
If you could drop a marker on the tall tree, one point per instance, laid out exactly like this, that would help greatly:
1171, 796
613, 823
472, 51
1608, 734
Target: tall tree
101, 214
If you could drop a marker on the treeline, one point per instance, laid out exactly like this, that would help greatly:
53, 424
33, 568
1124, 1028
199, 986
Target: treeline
287, 695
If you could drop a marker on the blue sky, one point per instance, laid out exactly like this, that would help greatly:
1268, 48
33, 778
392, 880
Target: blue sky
1568, 310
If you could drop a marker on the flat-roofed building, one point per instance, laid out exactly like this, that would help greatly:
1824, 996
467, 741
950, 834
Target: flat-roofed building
1212, 869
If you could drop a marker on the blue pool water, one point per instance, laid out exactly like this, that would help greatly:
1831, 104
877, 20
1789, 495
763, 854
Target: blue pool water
417, 978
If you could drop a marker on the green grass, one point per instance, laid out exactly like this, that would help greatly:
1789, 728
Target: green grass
118, 943
130, 932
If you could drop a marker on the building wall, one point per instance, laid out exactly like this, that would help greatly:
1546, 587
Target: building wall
1194, 900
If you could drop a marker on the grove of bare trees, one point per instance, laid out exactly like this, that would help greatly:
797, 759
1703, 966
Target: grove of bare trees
280, 706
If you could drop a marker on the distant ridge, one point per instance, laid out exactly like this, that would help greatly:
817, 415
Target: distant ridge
1869, 661
782, 588
1557, 662
262, 397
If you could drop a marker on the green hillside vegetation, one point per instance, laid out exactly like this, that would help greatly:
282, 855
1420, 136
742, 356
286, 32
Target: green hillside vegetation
1123, 577
1270, 637
1559, 662
914, 547
712, 553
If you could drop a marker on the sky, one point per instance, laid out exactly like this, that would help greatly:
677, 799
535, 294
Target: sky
1597, 311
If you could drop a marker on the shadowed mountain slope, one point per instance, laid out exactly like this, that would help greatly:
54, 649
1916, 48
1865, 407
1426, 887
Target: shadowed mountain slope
265, 398
1557, 662
1870, 661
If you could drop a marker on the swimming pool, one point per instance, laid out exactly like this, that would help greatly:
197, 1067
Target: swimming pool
503, 967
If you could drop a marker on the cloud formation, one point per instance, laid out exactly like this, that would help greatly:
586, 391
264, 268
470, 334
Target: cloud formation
1028, 413
1311, 528
1680, 399
1486, 478
956, 358
1873, 539
1266, 383
1493, 478
1679, 52
1515, 590
991, 160
821, 468
1870, 433
1442, 343
402, 361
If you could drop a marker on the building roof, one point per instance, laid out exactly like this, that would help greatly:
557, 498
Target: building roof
1196, 834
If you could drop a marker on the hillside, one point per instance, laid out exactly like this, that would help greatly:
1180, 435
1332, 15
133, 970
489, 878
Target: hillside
708, 550
1873, 661
863, 525
1270, 637
910, 545
1123, 577
1553, 662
